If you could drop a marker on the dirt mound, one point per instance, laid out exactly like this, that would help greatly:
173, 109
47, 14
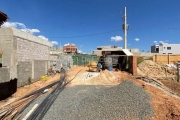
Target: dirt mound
105, 78
153, 69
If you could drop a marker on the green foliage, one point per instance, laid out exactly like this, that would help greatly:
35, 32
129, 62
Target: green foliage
0, 56
151, 58
29, 80
139, 60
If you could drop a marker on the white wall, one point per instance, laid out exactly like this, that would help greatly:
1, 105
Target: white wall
174, 48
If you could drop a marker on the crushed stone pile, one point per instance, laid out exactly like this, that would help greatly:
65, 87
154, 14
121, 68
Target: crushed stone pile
126, 101
153, 69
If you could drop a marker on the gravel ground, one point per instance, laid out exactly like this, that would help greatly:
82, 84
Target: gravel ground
126, 101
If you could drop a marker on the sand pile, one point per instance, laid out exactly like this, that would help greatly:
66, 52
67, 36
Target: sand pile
104, 78
153, 69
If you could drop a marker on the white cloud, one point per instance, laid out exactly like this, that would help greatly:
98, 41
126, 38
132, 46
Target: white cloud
13, 24
116, 38
54, 42
79, 51
155, 41
69, 44
21, 26
137, 39
166, 41
31, 31
161, 42
43, 37
158, 42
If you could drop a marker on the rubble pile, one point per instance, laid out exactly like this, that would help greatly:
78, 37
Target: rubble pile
153, 69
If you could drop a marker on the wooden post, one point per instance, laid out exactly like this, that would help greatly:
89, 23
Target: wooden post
168, 59
166, 72
178, 66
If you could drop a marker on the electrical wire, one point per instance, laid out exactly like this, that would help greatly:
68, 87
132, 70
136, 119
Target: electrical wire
88, 35
95, 34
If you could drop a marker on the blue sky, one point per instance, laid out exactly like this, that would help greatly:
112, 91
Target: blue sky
149, 20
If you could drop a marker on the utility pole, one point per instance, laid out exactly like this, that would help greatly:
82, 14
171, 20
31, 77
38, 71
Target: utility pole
125, 27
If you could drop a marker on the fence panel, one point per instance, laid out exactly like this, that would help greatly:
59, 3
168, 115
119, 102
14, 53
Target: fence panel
83, 59
166, 59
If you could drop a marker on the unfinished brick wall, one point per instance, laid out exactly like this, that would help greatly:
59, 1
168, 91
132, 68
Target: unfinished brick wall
133, 65
39, 69
28, 50
24, 73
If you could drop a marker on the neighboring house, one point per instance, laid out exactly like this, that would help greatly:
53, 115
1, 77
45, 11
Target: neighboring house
25, 56
165, 48
70, 48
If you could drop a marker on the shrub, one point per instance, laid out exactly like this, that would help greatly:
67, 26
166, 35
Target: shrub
29, 80
139, 60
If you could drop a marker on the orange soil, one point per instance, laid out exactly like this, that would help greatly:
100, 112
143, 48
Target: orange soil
22, 91
166, 107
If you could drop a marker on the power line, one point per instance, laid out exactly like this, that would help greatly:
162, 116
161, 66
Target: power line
117, 31
88, 35
160, 28
177, 28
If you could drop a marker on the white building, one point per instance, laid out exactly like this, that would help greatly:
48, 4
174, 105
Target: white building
165, 48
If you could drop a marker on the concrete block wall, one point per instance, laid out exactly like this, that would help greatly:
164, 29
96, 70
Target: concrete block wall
20, 53
4, 75
6, 46
24, 71
30, 71
28, 50
39, 69
53, 57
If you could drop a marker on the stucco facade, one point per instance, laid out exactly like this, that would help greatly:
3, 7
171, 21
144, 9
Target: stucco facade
165, 48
